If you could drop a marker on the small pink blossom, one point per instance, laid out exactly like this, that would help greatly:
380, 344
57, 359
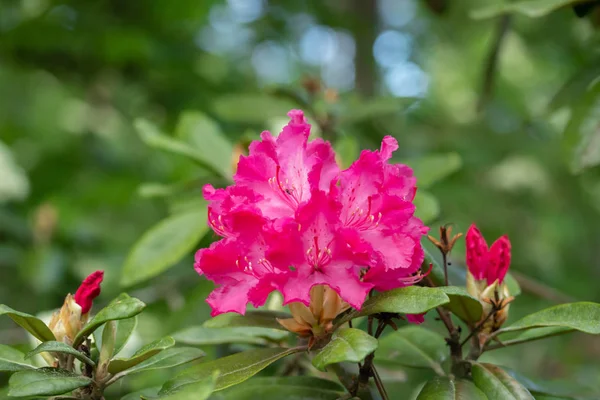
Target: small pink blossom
487, 264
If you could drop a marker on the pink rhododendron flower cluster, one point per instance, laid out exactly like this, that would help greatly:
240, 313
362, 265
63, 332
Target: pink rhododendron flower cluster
294, 220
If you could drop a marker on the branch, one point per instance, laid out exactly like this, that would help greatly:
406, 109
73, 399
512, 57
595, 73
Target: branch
491, 63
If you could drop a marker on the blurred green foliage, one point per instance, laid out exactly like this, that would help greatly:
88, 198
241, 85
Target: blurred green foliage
114, 114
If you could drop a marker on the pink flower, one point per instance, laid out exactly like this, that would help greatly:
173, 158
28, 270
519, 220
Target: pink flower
377, 202
484, 264
284, 170
292, 221
319, 250
88, 291
240, 265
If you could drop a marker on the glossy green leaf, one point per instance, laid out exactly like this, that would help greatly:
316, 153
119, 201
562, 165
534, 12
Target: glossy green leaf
164, 245
346, 345
260, 319
581, 138
529, 335
45, 382
168, 358
496, 384
462, 304
434, 168
413, 346
144, 353
406, 300
285, 388
125, 328
199, 335
233, 369
206, 137
583, 316
200, 390
448, 389
156, 139
427, 207
120, 308
530, 8
31, 324
12, 360
60, 347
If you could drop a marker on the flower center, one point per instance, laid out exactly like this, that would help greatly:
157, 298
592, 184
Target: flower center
216, 223
317, 257
363, 220
257, 270
289, 193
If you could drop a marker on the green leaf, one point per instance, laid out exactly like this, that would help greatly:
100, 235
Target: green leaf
45, 382
234, 369
199, 335
147, 393
154, 138
144, 353
289, 388
563, 389
200, 390
530, 335
413, 346
125, 328
448, 389
572, 91
206, 137
406, 300
254, 108
120, 308
434, 168
347, 344
31, 324
583, 316
164, 245
60, 347
12, 360
427, 207
496, 384
513, 286
581, 138
373, 108
530, 8
347, 149
168, 358
462, 304
262, 319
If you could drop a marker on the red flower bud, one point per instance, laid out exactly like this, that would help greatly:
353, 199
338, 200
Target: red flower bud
88, 291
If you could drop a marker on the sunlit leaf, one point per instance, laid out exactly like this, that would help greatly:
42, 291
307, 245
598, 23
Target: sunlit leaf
346, 345
233, 369
413, 346
206, 137
120, 308
581, 138
433, 168
199, 335
406, 300
31, 324
260, 318
530, 8
45, 382
168, 358
496, 384
60, 347
448, 389
149, 350
12, 360
164, 245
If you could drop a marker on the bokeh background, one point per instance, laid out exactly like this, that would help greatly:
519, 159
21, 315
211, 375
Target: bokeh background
114, 114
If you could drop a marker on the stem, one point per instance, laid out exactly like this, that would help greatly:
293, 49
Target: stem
366, 369
445, 261
379, 383
519, 341
478, 327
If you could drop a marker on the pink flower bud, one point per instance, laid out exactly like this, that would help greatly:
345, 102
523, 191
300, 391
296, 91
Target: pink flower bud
88, 291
